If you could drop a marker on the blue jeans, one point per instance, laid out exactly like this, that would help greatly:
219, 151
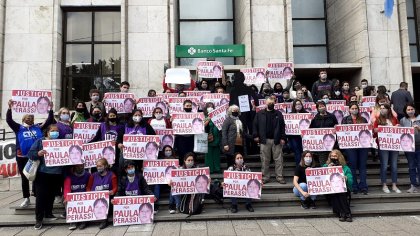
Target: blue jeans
156, 191
304, 187
174, 199
413, 159
386, 156
295, 142
234, 200
357, 159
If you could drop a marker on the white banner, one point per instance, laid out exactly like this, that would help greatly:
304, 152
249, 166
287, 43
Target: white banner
325, 180
63, 152
87, 206
141, 147
133, 210
190, 181
242, 184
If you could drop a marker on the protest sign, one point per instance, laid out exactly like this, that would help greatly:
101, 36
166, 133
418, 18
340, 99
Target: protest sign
31, 102
159, 171
217, 99
188, 123
244, 103
190, 181
279, 72
325, 180
141, 147
122, 102
177, 104
166, 137
337, 111
296, 122
396, 138
166, 96
209, 69
87, 206
318, 140
355, 136
85, 131
146, 105
242, 184
310, 107
196, 93
254, 76
218, 115
8, 165
365, 112
368, 101
133, 210
95, 151
63, 152
177, 76
281, 107
337, 102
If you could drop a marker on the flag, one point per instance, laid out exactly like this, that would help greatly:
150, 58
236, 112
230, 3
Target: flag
388, 8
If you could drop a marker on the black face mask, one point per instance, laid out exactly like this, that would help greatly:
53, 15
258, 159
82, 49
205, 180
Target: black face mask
112, 120
235, 114
270, 106
80, 110
266, 90
187, 109
96, 116
335, 162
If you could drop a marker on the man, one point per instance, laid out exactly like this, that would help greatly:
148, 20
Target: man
94, 102
321, 86
359, 93
400, 98
124, 87
184, 143
269, 131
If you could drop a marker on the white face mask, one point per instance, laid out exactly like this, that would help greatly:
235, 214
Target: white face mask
337, 93
158, 116
209, 109
364, 86
308, 161
137, 118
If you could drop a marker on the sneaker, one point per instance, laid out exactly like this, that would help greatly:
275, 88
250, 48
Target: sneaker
386, 189
38, 225
58, 200
413, 189
62, 216
50, 217
304, 204
103, 224
396, 190
72, 226
249, 207
234, 208
312, 204
364, 192
172, 211
349, 218
25, 203
82, 225
281, 180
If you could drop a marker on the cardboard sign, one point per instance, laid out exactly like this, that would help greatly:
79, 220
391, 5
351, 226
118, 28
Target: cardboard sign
166, 96
148, 104
122, 102
279, 72
296, 122
133, 210
209, 69
188, 123
368, 101
318, 140
177, 76
141, 147
396, 138
31, 101
325, 180
85, 131
176, 105
63, 152
190, 181
355, 136
92, 152
87, 206
218, 115
8, 165
218, 99
254, 76
166, 137
242, 184
159, 171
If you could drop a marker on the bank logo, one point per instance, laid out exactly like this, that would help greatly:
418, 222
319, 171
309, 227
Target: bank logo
191, 51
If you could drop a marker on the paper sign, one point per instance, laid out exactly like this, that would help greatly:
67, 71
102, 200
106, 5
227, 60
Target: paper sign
254, 76
355, 136
176, 105
368, 101
244, 103
296, 122
63, 152
218, 115
8, 165
141, 147
122, 102
325, 180
159, 171
242, 184
396, 138
166, 137
92, 152
209, 69
147, 105
133, 210
85, 130
190, 181
217, 99
87, 206
318, 140
279, 72
188, 123
31, 101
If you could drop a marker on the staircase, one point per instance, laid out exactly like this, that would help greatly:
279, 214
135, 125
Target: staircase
278, 200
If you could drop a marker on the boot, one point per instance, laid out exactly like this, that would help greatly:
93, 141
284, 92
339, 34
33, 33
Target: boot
304, 204
312, 203
342, 217
349, 218
234, 208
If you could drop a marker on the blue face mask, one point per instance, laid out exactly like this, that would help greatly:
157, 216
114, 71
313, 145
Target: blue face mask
54, 134
131, 171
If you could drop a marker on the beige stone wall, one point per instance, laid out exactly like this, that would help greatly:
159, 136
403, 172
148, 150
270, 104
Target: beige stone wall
243, 29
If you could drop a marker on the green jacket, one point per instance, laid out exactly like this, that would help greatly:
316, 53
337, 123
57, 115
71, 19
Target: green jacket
347, 173
215, 131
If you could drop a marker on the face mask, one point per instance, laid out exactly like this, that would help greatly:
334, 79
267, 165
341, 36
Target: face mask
80, 110
266, 90
113, 120
131, 171
239, 162
187, 109
323, 76
204, 86
158, 116
95, 98
124, 90
54, 134
96, 115
100, 170
64, 117
286, 96
326, 100
322, 110
79, 172
337, 93
411, 113
137, 119
308, 161
305, 93
210, 109
335, 161
298, 107
381, 103
270, 106
189, 164
168, 154
364, 86
354, 112
384, 112
235, 113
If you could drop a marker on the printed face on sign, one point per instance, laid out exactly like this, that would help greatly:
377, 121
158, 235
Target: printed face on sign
407, 143
304, 124
146, 213
338, 115
217, 71
42, 105
201, 183
328, 142
260, 76
100, 209
151, 150
197, 126
338, 183
253, 188
129, 105
109, 154
287, 72
167, 140
168, 171
365, 138
162, 106
75, 154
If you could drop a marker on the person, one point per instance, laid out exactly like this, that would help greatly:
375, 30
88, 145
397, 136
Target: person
197, 126
100, 208
365, 138
286, 96
124, 87
168, 140
387, 119
81, 114
212, 157
202, 184
239, 165
339, 201
163, 107
407, 143
323, 119
132, 183
64, 125
184, 143
203, 85
146, 213
376, 111
412, 119
129, 105
217, 71
75, 154
158, 121
300, 188
75, 182
42, 105
322, 85
151, 93
345, 91
138, 125
307, 94
47, 181
400, 98
151, 151
103, 180
219, 89
269, 131
109, 154
338, 115
253, 188
295, 141
94, 102
96, 115
26, 134
359, 93
328, 142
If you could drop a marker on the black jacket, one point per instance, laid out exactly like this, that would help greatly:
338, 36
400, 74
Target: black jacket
327, 121
144, 188
259, 127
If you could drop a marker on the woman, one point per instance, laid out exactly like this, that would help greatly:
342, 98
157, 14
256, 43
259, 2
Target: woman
339, 201
278, 92
295, 141
233, 134
336, 94
96, 115
412, 119
265, 90
132, 183
48, 179
103, 180
63, 124
81, 114
380, 100
212, 158
146, 213
240, 166
138, 125
167, 153
387, 119
94, 101
203, 86
345, 91
26, 134
300, 188
158, 120
357, 157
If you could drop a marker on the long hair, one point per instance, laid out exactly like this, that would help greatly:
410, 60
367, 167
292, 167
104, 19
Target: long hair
341, 158
383, 118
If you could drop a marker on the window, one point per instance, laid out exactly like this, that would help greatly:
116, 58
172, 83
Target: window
91, 53
204, 22
412, 31
309, 31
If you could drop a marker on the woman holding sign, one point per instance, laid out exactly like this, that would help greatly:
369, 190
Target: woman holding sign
158, 120
295, 141
300, 188
212, 159
357, 157
63, 124
132, 183
412, 119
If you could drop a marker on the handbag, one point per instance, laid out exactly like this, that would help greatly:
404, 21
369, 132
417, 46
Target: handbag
30, 169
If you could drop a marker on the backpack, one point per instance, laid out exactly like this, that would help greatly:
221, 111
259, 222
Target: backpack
192, 204
216, 192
